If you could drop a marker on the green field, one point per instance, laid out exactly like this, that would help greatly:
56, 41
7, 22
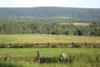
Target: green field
28, 52
83, 57
20, 57
38, 38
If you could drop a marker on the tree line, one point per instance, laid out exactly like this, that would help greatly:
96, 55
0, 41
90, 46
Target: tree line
58, 27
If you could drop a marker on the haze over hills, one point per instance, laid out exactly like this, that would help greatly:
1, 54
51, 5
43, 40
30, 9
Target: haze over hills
81, 13
50, 20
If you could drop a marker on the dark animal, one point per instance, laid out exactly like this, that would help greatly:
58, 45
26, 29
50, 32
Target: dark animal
37, 58
40, 59
62, 58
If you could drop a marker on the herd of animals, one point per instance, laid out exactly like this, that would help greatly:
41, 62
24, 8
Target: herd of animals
63, 58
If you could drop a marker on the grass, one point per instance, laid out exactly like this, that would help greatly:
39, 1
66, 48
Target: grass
42, 38
18, 52
83, 57
10, 64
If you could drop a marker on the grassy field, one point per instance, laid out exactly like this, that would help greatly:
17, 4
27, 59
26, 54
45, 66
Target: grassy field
37, 38
83, 57
27, 52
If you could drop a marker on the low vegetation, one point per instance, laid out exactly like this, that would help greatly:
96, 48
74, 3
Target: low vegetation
88, 57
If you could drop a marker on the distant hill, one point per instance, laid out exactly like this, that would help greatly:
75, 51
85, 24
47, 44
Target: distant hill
81, 13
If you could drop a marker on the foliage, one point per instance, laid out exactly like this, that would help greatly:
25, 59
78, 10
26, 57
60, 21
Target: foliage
49, 26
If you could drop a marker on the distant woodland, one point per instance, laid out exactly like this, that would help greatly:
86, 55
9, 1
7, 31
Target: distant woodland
59, 26
50, 20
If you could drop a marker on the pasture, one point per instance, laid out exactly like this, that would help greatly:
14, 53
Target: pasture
48, 41
22, 57
81, 57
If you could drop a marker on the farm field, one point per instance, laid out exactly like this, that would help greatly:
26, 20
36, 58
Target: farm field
21, 57
42, 38
88, 57
48, 41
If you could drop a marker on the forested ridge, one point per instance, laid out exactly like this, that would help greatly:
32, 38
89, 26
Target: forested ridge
81, 13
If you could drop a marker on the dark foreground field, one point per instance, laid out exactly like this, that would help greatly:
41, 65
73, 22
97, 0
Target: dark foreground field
21, 57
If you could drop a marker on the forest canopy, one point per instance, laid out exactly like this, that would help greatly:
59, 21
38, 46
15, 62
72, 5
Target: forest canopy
52, 26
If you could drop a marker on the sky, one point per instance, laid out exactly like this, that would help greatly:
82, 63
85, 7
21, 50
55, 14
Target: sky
56, 3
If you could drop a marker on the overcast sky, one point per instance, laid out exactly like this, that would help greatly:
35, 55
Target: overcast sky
57, 3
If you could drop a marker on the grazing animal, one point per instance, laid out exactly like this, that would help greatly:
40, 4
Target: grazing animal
37, 58
40, 59
7, 57
64, 57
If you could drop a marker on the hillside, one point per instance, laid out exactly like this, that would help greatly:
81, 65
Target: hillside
81, 13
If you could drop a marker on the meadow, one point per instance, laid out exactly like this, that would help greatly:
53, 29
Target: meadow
22, 57
81, 57
43, 40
